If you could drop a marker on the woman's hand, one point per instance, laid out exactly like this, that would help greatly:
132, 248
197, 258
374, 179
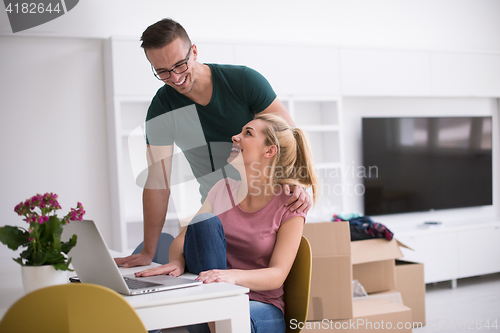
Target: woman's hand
300, 199
173, 268
219, 275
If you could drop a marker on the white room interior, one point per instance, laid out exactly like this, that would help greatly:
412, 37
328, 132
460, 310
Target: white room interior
60, 87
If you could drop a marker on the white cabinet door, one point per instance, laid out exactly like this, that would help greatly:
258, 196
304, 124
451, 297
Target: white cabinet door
294, 70
132, 75
438, 253
479, 251
368, 72
463, 74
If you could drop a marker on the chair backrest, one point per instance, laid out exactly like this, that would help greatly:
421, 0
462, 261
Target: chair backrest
72, 308
297, 287
161, 255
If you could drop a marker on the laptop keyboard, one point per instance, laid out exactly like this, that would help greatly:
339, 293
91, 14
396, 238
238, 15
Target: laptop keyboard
138, 284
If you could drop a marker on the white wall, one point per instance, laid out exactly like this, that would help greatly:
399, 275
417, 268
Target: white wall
425, 24
53, 127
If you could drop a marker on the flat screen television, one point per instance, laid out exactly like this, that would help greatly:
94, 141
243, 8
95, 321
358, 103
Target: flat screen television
423, 164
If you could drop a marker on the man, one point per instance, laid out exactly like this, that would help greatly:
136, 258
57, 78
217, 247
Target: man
199, 107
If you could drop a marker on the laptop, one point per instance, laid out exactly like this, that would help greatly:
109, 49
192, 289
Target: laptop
94, 264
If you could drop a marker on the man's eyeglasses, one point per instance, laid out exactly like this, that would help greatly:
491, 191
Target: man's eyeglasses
179, 69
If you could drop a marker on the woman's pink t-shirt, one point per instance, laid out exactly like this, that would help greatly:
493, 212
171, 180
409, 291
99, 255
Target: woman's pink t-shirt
250, 237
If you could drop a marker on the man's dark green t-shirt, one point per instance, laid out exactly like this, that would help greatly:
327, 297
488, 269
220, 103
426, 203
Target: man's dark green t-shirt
204, 132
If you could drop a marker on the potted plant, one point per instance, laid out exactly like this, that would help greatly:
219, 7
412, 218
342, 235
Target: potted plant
44, 262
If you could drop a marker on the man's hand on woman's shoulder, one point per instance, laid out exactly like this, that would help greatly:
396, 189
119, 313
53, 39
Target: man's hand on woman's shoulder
300, 200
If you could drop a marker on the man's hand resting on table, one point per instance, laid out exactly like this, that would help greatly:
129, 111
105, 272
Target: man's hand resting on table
174, 268
139, 259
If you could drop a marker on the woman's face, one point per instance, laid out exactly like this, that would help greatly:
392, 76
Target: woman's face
250, 145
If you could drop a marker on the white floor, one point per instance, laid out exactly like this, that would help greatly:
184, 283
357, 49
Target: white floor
473, 305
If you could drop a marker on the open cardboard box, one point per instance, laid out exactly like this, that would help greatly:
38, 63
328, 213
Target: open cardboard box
337, 261
377, 266
373, 263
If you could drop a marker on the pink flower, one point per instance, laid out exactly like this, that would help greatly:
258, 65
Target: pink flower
35, 200
19, 208
43, 219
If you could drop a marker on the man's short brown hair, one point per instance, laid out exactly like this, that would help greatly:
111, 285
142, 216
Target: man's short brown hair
163, 33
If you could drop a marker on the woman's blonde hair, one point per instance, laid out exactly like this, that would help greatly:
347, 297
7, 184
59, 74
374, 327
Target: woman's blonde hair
293, 164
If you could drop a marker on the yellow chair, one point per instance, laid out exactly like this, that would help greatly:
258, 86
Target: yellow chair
297, 286
72, 308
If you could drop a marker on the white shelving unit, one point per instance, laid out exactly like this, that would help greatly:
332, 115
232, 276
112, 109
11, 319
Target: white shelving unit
320, 118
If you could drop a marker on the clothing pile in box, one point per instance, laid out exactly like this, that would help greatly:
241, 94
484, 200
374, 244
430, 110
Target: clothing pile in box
363, 227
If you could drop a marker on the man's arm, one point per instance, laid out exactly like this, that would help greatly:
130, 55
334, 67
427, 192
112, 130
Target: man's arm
176, 261
155, 204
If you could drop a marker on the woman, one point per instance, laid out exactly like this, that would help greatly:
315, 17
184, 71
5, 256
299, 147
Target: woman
262, 235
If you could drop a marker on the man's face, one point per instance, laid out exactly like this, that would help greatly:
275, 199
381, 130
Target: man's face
170, 56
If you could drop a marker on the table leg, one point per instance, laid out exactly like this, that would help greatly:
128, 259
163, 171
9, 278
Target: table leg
240, 319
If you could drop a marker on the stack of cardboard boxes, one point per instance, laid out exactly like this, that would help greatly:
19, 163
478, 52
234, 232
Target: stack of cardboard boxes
396, 290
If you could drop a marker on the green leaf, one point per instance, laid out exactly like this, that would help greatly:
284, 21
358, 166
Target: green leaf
67, 246
53, 257
54, 226
63, 266
13, 237
54, 232
39, 258
28, 253
19, 261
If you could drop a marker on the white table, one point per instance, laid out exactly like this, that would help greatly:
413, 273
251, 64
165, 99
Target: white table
224, 303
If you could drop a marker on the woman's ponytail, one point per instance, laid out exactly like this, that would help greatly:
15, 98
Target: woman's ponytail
294, 163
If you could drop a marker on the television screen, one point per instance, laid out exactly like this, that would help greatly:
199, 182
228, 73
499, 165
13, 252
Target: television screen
422, 164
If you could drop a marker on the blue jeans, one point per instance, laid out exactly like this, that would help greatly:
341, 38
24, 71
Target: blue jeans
205, 249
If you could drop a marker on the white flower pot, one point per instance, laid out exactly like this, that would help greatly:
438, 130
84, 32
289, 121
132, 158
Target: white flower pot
37, 277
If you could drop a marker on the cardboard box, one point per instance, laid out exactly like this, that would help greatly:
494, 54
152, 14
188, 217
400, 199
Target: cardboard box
390, 295
410, 283
370, 315
373, 263
331, 280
